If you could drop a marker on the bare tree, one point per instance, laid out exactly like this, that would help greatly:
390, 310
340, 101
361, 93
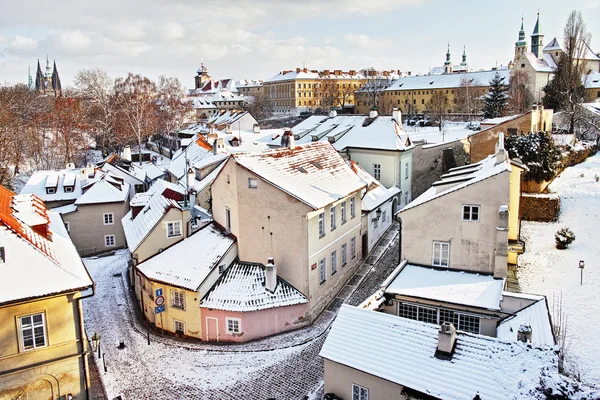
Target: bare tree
259, 106
173, 112
438, 106
373, 86
328, 92
468, 96
520, 97
346, 92
136, 106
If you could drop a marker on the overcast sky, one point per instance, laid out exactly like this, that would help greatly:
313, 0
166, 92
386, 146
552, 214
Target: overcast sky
257, 39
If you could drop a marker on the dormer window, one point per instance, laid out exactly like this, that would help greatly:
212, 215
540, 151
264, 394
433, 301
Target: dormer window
50, 190
69, 189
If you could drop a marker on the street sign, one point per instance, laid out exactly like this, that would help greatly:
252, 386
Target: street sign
158, 292
159, 300
159, 309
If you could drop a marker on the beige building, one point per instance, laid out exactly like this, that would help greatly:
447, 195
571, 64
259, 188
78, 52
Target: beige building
43, 345
304, 196
375, 356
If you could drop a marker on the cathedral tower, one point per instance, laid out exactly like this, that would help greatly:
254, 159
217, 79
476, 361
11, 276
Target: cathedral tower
448, 63
521, 44
537, 39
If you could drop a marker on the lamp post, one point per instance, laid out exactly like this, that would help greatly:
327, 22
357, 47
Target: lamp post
96, 341
581, 267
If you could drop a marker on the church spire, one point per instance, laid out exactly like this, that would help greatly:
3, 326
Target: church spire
56, 85
40, 83
537, 39
448, 63
522, 31
464, 56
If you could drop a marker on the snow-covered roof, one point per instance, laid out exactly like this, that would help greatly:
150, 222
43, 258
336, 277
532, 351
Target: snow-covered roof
456, 287
248, 141
241, 288
155, 206
312, 74
188, 263
313, 173
208, 179
249, 83
460, 177
558, 43
536, 315
375, 193
227, 117
106, 190
447, 81
194, 152
39, 257
498, 120
545, 64
69, 208
41, 180
402, 351
358, 131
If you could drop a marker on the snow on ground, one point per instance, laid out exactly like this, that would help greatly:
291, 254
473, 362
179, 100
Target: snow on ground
431, 134
141, 370
552, 272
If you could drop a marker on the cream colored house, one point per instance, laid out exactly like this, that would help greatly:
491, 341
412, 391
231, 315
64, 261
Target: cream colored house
300, 205
375, 356
43, 345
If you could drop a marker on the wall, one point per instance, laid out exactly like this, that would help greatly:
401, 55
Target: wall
87, 229
52, 370
157, 239
256, 324
383, 224
424, 171
339, 379
541, 208
472, 244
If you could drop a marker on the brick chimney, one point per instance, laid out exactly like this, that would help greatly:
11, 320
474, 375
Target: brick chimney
524, 333
446, 341
271, 275
287, 139
352, 72
325, 72
297, 70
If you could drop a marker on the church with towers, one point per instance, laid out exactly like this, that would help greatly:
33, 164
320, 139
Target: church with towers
48, 82
449, 68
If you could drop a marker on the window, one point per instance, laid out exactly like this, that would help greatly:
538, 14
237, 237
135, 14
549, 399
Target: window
228, 180
422, 101
352, 207
353, 248
109, 240
68, 226
109, 218
405, 198
252, 183
470, 213
322, 272
33, 331
343, 211
179, 327
377, 171
333, 262
234, 325
468, 323
68, 189
174, 229
441, 254
406, 171
344, 255
383, 217
359, 392
375, 223
228, 219
178, 299
522, 65
50, 190
2, 255
321, 225
332, 218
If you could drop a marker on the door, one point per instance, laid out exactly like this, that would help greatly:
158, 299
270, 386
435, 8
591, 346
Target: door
212, 329
365, 245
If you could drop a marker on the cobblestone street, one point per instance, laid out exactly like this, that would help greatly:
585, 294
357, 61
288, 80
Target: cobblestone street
286, 366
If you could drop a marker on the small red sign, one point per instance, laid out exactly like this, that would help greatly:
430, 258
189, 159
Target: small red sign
314, 266
159, 300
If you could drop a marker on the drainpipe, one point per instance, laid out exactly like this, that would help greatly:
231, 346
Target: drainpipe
82, 335
399, 237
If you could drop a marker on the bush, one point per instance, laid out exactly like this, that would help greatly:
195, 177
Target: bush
538, 152
564, 237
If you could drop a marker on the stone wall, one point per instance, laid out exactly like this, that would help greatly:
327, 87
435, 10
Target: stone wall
540, 207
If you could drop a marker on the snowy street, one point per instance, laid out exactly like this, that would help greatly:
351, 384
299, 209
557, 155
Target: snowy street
546, 270
286, 366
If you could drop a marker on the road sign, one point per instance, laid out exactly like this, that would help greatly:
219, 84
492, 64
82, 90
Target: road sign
159, 300
158, 292
159, 309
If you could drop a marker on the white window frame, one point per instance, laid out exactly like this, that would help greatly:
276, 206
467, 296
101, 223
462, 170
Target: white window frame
252, 183
51, 190
174, 224
363, 392
343, 212
175, 323
178, 299
69, 189
344, 254
353, 248
32, 328
440, 262
468, 208
332, 219
108, 218
377, 171
322, 271
321, 225
233, 329
352, 207
106, 241
333, 262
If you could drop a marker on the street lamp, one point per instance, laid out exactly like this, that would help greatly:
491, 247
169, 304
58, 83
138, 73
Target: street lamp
581, 267
96, 341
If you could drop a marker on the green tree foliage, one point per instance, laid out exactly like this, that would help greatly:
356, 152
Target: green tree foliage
496, 98
536, 150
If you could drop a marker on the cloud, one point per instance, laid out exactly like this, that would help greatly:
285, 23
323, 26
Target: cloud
364, 42
71, 40
22, 45
127, 30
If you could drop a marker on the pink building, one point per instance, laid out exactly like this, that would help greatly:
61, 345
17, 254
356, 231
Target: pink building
250, 301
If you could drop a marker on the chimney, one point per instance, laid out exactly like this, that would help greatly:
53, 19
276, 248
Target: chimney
256, 128
501, 153
397, 116
305, 69
409, 73
211, 130
82, 177
373, 114
333, 113
297, 70
90, 170
271, 275
446, 341
287, 139
191, 178
524, 333
228, 128
70, 165
325, 72
352, 72
127, 153
501, 251
337, 72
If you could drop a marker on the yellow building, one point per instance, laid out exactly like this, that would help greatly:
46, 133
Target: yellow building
301, 90
42, 339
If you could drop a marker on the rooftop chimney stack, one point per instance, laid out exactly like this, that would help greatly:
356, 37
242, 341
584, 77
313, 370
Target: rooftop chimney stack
287, 139
501, 251
271, 275
373, 114
501, 153
397, 116
90, 170
446, 340
524, 333
332, 113
127, 153
256, 128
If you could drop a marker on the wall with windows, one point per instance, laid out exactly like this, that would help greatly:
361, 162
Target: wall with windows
42, 361
340, 380
472, 244
378, 227
159, 238
91, 226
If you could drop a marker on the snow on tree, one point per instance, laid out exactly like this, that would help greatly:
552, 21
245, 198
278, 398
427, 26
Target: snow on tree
496, 98
536, 150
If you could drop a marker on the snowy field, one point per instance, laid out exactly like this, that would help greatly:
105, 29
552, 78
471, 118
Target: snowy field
431, 134
546, 270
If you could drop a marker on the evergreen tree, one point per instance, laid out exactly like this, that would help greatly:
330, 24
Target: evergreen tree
536, 150
496, 98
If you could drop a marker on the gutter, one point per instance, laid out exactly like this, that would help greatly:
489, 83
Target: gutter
83, 352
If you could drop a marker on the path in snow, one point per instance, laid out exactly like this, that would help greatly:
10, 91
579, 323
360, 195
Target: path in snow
545, 270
